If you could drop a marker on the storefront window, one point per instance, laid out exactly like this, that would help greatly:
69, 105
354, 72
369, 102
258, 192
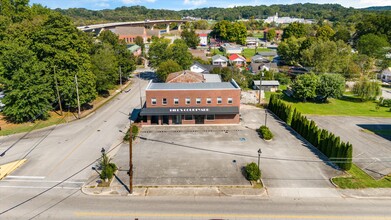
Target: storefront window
210, 117
188, 117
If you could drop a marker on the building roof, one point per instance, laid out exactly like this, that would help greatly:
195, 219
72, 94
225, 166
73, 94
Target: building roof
252, 39
209, 78
387, 71
193, 86
135, 31
218, 56
267, 82
267, 53
259, 58
133, 48
202, 35
185, 76
235, 56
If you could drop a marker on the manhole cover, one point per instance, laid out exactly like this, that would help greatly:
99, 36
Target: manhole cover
242, 139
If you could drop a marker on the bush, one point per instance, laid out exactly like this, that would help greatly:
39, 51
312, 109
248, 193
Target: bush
135, 131
252, 172
266, 133
107, 167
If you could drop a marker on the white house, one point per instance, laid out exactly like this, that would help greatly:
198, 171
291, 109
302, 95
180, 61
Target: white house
237, 60
231, 49
219, 60
386, 75
203, 39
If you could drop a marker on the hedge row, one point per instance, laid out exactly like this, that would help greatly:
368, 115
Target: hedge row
330, 145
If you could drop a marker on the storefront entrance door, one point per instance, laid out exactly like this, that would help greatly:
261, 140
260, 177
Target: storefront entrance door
177, 119
199, 119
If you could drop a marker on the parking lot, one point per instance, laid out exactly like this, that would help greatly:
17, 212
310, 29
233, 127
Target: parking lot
370, 138
216, 155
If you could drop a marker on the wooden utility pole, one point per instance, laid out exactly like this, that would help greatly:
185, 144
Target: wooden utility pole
260, 87
58, 93
120, 78
130, 159
78, 99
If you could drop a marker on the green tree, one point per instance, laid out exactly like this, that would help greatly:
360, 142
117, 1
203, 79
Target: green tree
179, 52
304, 86
366, 89
105, 67
325, 32
330, 85
295, 29
190, 37
289, 50
373, 45
158, 51
167, 67
252, 172
342, 34
140, 41
271, 35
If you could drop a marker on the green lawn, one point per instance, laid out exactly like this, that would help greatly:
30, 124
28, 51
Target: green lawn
250, 52
359, 179
347, 106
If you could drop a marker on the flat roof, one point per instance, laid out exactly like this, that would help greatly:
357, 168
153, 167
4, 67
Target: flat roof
193, 86
267, 82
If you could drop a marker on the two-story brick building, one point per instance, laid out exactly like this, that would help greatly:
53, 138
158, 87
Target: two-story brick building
191, 103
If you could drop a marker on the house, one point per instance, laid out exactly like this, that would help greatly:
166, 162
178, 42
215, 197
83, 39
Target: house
231, 49
218, 60
191, 103
259, 59
185, 76
212, 78
286, 20
201, 68
135, 50
237, 60
252, 42
386, 75
267, 85
203, 39
129, 34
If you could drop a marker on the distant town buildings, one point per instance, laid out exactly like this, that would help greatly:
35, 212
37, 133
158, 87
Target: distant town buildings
286, 20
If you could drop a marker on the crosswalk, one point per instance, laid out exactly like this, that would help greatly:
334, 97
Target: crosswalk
39, 182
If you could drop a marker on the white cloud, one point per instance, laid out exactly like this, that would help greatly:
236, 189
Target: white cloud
194, 2
130, 2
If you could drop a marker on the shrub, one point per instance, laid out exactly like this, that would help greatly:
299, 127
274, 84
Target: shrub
135, 131
252, 172
108, 168
266, 133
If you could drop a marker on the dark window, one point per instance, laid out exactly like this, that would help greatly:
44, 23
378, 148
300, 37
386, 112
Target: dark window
188, 117
164, 101
210, 117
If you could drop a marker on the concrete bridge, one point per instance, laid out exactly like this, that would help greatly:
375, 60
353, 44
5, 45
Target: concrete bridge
97, 28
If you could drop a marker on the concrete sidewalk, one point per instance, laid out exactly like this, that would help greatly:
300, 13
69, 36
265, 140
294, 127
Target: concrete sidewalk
118, 188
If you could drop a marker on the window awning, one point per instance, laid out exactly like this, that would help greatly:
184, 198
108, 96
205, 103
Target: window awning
191, 111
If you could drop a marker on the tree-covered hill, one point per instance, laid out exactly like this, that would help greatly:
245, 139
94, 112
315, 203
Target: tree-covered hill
332, 12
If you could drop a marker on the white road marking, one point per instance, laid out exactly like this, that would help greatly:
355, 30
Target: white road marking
38, 187
25, 177
39, 181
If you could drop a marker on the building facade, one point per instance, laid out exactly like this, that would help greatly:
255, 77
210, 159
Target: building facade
191, 103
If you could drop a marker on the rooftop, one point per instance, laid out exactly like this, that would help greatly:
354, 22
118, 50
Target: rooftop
267, 82
193, 86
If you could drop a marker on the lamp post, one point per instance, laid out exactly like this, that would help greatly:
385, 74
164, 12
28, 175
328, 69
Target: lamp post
259, 157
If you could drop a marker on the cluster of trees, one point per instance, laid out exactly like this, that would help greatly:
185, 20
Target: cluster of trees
168, 58
189, 36
40, 48
337, 151
309, 86
230, 31
366, 89
327, 48
332, 12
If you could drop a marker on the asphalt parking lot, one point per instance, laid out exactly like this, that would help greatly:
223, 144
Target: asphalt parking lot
369, 136
215, 155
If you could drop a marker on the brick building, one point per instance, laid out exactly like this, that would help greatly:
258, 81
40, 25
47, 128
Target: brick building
191, 103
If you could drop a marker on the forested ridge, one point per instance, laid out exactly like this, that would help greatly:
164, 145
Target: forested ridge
331, 12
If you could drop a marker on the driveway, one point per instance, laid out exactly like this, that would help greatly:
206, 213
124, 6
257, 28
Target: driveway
215, 155
370, 137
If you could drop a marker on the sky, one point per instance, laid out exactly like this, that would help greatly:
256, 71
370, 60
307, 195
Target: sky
192, 4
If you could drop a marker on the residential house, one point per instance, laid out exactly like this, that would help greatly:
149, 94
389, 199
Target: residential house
135, 50
201, 68
212, 78
267, 85
237, 60
386, 75
231, 49
259, 59
187, 76
218, 60
203, 39
253, 42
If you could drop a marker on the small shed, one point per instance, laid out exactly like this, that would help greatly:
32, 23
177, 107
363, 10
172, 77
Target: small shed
267, 85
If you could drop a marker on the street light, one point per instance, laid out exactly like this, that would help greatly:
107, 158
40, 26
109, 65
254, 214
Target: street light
259, 157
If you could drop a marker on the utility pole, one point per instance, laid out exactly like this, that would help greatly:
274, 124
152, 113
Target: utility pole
78, 99
58, 93
120, 78
260, 87
130, 158
139, 88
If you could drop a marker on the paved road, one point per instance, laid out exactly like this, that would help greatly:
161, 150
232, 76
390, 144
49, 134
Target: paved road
371, 151
62, 152
59, 205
